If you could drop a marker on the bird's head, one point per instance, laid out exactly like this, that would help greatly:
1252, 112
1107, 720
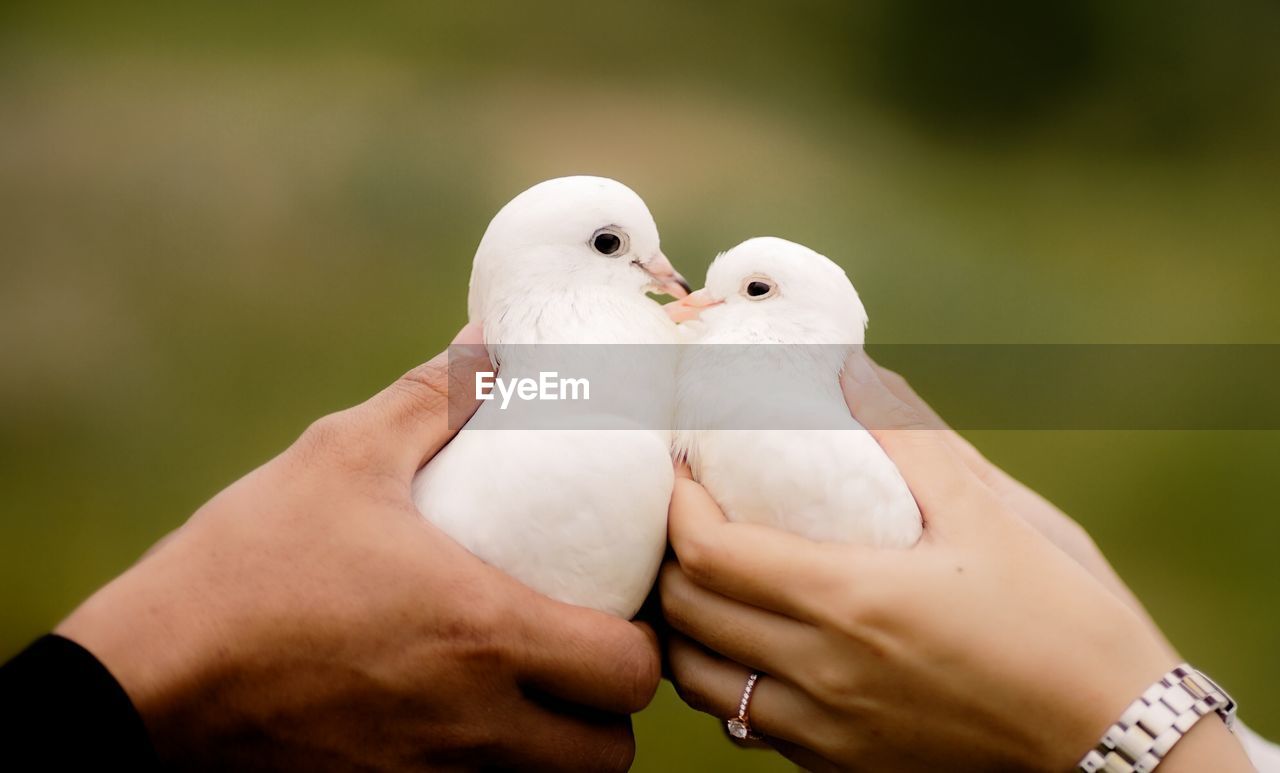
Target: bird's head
572, 232
781, 288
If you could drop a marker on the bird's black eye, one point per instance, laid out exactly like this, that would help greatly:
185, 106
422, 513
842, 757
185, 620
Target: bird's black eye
757, 287
609, 241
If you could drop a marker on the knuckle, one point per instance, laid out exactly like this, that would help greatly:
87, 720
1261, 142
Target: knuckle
487, 615
671, 596
339, 439
899, 415
476, 634
830, 684
684, 679
694, 696
893, 379
859, 614
826, 684
427, 385
323, 435
697, 555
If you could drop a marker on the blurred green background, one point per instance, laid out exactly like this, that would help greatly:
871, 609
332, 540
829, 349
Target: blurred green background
218, 221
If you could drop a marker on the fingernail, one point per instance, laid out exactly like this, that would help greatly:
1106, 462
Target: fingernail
471, 334
860, 369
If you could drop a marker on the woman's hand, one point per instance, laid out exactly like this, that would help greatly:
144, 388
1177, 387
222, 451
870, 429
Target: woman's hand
1040, 513
308, 618
984, 647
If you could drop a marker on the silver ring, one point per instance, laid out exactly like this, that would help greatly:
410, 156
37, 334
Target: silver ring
740, 726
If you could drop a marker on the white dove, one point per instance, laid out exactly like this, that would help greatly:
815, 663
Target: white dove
578, 514
760, 414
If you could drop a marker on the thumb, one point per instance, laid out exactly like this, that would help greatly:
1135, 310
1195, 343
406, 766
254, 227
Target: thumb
419, 412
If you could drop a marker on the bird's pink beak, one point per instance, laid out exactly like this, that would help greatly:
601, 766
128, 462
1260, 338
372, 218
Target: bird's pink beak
665, 277
691, 306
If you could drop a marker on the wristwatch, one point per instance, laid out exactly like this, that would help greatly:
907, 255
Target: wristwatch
1152, 724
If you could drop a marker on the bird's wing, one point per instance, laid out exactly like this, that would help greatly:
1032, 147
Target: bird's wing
579, 515
829, 485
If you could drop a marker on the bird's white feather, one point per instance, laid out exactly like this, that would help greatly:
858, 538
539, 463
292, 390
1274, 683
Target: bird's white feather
760, 415
576, 513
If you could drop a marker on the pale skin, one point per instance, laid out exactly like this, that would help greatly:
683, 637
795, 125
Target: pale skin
1002, 641
308, 618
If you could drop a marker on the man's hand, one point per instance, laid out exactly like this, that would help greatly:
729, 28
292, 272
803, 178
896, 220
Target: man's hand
308, 618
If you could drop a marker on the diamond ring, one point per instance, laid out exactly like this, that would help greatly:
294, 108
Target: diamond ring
740, 726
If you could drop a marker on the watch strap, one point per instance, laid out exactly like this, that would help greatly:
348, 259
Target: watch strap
1156, 721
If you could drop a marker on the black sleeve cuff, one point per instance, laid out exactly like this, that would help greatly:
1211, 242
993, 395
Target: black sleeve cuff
61, 709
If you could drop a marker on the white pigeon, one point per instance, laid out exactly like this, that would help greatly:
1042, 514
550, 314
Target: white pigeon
760, 415
577, 514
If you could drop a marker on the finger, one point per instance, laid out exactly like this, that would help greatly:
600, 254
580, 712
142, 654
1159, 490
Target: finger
714, 686
968, 453
755, 564
918, 446
899, 388
589, 657
550, 736
416, 415
750, 743
754, 637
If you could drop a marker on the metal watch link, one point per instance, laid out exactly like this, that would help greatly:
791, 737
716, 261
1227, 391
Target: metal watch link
1157, 720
